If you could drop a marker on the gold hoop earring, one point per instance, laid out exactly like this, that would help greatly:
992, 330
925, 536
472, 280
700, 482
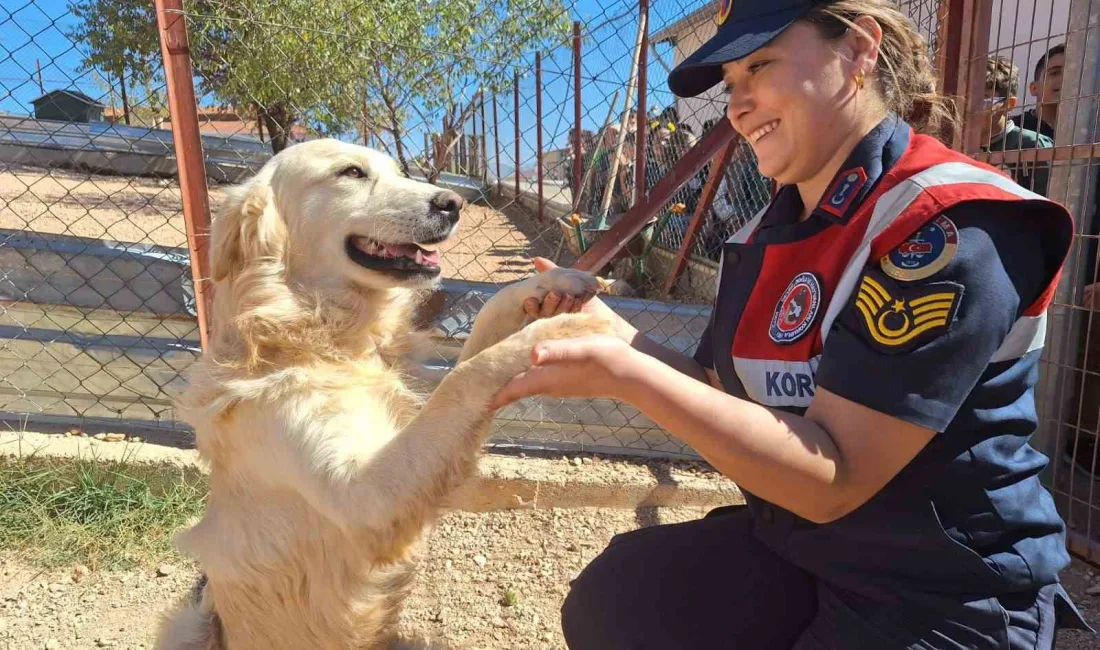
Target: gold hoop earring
859, 80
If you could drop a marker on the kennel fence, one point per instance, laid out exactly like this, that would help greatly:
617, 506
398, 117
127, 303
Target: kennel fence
103, 212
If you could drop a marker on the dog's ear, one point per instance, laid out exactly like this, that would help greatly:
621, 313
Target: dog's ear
248, 230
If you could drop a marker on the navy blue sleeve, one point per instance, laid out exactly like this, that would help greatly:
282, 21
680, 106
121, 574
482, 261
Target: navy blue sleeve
876, 353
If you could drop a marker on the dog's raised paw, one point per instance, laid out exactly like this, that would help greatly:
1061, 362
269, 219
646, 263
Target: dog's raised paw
568, 282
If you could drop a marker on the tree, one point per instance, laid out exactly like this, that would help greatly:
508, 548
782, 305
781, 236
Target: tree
121, 39
341, 64
440, 57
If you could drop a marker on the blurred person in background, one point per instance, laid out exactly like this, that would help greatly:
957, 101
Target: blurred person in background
1046, 86
998, 133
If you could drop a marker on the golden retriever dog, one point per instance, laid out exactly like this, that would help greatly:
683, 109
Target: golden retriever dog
327, 467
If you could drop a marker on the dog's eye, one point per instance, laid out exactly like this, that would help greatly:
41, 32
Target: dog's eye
354, 172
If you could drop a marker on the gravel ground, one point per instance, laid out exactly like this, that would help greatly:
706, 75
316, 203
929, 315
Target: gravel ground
494, 244
475, 563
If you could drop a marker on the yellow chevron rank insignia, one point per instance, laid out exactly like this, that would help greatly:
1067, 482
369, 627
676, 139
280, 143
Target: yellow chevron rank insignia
895, 319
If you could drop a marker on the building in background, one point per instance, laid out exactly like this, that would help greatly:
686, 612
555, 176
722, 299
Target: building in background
67, 106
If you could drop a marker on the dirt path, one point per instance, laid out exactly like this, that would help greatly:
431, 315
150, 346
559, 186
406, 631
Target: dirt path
495, 244
473, 562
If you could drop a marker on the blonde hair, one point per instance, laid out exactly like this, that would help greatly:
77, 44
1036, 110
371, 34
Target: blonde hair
907, 79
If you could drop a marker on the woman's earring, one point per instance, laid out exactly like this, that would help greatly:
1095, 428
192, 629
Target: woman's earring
859, 79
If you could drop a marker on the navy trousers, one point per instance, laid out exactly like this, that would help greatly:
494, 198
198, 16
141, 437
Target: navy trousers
711, 583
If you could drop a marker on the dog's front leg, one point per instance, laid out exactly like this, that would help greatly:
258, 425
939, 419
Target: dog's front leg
503, 315
395, 489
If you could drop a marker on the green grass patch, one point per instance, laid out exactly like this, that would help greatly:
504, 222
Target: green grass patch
112, 515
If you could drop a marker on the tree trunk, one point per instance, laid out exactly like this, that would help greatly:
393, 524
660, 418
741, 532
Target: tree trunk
401, 152
278, 120
259, 122
125, 101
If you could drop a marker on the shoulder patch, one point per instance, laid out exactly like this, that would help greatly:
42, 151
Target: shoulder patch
895, 319
796, 310
843, 191
924, 253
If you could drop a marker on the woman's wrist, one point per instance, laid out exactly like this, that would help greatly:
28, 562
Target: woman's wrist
631, 374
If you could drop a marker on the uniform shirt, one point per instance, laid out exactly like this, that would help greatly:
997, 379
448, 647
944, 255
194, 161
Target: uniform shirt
1032, 175
1030, 120
968, 517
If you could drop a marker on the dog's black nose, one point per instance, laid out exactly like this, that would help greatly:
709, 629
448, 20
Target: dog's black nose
449, 202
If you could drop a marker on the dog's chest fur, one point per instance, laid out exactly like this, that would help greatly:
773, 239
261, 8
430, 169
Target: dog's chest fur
281, 572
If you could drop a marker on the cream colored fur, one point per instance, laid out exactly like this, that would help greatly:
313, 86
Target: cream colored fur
327, 467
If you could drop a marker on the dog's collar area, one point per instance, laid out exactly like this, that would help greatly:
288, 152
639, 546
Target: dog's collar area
403, 259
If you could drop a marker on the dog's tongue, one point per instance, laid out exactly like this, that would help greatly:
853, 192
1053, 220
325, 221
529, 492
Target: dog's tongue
413, 252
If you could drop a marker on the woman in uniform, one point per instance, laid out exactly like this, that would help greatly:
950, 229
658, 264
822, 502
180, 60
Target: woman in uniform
867, 376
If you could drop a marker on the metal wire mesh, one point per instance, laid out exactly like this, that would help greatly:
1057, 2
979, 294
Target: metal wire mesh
98, 309
96, 317
1037, 119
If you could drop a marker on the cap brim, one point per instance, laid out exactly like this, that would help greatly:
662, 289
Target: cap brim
703, 68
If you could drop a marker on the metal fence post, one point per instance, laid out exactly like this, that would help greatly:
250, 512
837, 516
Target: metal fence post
634, 220
189, 154
578, 154
515, 87
973, 47
484, 162
496, 137
710, 190
475, 166
538, 131
639, 148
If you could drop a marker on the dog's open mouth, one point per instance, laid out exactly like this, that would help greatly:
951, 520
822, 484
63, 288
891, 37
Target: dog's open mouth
403, 258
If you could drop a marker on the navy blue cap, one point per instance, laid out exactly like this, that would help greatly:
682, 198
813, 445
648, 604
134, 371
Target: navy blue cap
744, 26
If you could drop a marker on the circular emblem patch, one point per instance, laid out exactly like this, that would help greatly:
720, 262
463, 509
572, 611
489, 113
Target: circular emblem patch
796, 309
724, 11
925, 253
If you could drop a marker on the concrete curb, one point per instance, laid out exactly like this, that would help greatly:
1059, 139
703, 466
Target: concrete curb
503, 482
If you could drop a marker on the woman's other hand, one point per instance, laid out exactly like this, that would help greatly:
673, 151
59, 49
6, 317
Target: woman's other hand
589, 366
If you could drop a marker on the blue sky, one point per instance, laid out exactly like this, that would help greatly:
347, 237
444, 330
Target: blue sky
34, 30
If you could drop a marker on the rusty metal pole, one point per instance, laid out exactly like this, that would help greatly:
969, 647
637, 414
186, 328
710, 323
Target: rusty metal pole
496, 137
710, 190
634, 220
578, 153
976, 53
538, 130
472, 155
515, 85
639, 147
484, 163
172, 29
954, 29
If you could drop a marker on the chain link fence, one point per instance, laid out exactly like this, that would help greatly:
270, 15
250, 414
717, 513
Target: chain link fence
493, 100
96, 315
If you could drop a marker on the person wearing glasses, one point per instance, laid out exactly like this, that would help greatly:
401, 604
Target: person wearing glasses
867, 376
999, 133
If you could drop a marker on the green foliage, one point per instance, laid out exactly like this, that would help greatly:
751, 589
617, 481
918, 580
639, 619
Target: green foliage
120, 38
381, 66
57, 512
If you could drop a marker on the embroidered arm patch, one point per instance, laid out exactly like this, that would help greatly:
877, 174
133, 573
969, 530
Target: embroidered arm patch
895, 319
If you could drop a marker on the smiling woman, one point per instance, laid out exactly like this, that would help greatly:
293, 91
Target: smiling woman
867, 376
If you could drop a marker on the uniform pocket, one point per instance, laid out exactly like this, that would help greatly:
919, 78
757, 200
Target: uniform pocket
967, 557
